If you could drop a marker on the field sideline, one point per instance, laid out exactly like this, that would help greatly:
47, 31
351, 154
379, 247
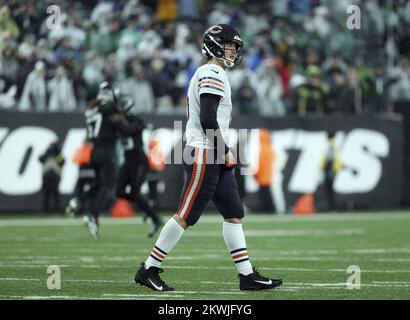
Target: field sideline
310, 253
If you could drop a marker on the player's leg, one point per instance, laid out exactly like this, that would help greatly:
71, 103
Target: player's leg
328, 184
75, 206
123, 203
46, 194
90, 188
265, 199
138, 172
228, 202
83, 191
85, 194
107, 179
200, 183
56, 193
122, 181
56, 198
89, 219
153, 193
106, 170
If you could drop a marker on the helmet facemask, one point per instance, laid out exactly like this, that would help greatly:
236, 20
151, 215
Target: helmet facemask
229, 63
215, 47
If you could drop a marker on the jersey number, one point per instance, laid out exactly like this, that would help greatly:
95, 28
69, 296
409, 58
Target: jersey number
93, 125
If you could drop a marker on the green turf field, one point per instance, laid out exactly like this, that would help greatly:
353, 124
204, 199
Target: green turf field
310, 253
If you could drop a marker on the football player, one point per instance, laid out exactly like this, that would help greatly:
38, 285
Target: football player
104, 125
208, 175
134, 170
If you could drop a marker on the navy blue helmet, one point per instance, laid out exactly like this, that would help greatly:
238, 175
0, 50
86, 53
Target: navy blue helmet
214, 40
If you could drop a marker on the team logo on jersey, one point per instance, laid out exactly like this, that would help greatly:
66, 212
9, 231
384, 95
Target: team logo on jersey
215, 29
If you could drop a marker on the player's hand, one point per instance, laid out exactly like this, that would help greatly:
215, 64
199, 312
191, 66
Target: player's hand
118, 117
230, 161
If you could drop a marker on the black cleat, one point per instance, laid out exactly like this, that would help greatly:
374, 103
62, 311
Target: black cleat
150, 278
255, 281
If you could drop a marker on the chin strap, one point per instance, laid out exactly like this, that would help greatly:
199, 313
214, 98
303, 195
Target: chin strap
228, 63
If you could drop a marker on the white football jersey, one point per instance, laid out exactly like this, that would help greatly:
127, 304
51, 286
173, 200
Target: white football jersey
208, 78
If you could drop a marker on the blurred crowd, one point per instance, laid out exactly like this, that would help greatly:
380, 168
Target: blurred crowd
301, 57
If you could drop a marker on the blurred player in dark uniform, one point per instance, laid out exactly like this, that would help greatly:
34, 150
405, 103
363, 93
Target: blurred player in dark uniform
134, 170
104, 125
86, 183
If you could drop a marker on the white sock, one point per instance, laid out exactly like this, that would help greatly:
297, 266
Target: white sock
168, 238
235, 241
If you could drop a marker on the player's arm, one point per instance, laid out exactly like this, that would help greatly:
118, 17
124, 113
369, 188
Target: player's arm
208, 116
123, 126
139, 122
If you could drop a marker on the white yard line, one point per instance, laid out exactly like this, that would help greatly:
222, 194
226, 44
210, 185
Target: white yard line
97, 281
77, 298
18, 279
213, 251
373, 283
179, 292
92, 262
46, 297
212, 292
281, 233
217, 233
290, 269
391, 282
51, 297
70, 280
159, 295
5, 265
213, 219
391, 260
29, 265
381, 250
287, 287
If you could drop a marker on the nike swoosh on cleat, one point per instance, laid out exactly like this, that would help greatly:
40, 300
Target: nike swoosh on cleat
264, 282
155, 286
